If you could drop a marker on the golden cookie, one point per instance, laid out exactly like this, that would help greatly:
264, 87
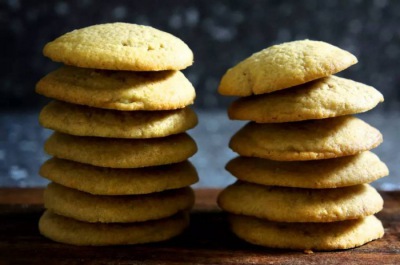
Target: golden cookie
315, 174
86, 121
70, 231
116, 181
283, 66
307, 236
118, 90
283, 204
323, 98
121, 153
306, 140
120, 46
116, 209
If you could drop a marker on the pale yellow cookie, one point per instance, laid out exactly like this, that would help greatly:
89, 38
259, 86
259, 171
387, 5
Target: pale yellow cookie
120, 46
283, 66
344, 171
66, 230
116, 209
323, 98
306, 140
283, 204
87, 121
120, 90
307, 236
121, 153
117, 181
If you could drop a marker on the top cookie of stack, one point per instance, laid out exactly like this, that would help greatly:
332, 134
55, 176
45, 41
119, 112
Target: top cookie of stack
120, 46
303, 158
120, 148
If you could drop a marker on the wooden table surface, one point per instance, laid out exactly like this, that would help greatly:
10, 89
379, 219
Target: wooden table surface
207, 240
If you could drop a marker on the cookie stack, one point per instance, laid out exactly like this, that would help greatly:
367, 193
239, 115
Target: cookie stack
119, 170
304, 161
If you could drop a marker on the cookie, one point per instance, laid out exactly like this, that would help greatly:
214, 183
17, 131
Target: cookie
283, 204
306, 140
120, 46
323, 98
118, 90
116, 209
116, 181
66, 230
87, 121
307, 236
121, 153
285, 65
344, 171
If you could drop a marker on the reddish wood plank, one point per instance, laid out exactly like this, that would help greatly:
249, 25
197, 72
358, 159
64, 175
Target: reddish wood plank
207, 241
12, 196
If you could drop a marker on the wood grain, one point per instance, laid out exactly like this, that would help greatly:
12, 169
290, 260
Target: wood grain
207, 241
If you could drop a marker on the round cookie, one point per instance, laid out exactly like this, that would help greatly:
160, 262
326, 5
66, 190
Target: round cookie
121, 153
66, 230
282, 204
116, 209
323, 98
119, 90
307, 236
86, 121
306, 140
116, 181
120, 46
344, 171
283, 66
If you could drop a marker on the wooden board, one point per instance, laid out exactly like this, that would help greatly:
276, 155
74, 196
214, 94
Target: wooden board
207, 241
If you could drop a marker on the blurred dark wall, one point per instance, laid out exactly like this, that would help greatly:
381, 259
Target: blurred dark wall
220, 33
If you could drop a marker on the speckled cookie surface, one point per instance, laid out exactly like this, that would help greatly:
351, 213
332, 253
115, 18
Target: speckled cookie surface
66, 230
300, 205
307, 236
283, 66
120, 90
306, 140
87, 121
120, 46
323, 98
315, 174
121, 153
115, 181
116, 209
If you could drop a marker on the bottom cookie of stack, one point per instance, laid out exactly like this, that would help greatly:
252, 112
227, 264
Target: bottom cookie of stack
67, 230
307, 236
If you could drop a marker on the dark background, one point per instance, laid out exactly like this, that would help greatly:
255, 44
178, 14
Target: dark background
220, 33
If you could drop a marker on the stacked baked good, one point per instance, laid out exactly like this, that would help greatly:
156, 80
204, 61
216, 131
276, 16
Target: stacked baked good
119, 170
304, 160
